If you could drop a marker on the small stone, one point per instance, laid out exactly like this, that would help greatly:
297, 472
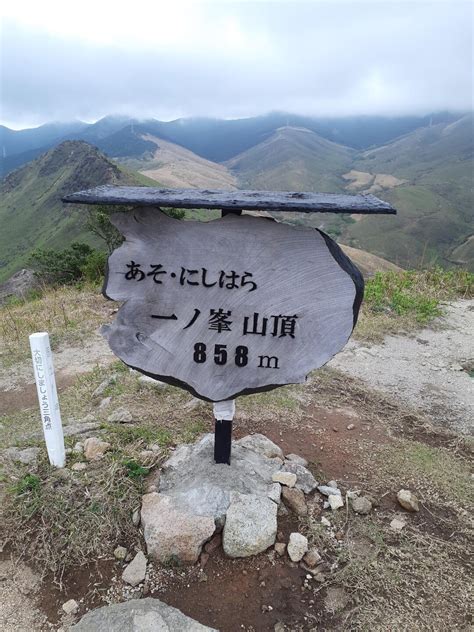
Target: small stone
279, 627
295, 500
325, 521
71, 606
353, 494
136, 517
297, 546
146, 589
361, 505
104, 402
79, 467
295, 458
121, 416
335, 501
202, 577
94, 448
135, 572
120, 553
328, 490
145, 380
351, 426
397, 525
103, 386
154, 447
282, 510
312, 557
285, 478
333, 484
204, 559
408, 500
280, 548
304, 479
78, 448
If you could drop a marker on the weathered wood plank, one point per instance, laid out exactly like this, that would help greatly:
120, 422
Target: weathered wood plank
285, 201
228, 307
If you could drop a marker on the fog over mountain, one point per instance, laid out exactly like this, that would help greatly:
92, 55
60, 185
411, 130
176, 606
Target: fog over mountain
169, 60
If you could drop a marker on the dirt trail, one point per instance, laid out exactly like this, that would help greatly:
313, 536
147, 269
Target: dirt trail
17, 384
425, 370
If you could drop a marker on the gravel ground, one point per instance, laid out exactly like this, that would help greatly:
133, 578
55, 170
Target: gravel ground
69, 360
18, 584
425, 370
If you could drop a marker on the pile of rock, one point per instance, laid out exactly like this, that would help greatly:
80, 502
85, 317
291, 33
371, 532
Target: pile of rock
197, 497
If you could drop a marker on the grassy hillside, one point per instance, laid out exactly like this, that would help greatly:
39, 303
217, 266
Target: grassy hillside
435, 203
177, 167
293, 159
31, 212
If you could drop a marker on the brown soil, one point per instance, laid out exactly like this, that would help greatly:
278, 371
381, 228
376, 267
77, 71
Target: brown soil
251, 585
26, 397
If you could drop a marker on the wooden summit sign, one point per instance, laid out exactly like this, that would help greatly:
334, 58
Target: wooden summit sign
232, 306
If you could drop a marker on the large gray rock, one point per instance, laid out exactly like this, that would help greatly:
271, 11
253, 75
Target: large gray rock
195, 493
200, 486
172, 534
250, 526
138, 615
20, 284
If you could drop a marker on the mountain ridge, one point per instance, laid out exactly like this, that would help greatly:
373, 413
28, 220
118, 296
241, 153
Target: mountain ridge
217, 140
31, 212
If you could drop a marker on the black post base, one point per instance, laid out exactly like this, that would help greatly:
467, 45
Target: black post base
222, 441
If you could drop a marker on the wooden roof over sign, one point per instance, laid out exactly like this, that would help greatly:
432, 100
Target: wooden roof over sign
284, 201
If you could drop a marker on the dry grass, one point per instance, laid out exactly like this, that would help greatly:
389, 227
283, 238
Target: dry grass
62, 518
417, 579
400, 302
68, 313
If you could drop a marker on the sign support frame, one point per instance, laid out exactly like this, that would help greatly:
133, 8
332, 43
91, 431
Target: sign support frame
223, 427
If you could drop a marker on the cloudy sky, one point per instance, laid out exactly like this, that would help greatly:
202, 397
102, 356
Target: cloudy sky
62, 60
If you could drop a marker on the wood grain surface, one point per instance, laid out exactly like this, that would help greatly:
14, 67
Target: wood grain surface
236, 305
286, 201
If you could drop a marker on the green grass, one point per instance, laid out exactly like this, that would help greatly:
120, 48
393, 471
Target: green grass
404, 301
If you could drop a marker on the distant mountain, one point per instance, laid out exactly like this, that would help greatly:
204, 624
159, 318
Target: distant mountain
435, 199
426, 174
31, 212
220, 140
176, 167
24, 140
214, 139
293, 159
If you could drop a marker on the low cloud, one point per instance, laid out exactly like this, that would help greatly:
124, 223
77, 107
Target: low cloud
232, 60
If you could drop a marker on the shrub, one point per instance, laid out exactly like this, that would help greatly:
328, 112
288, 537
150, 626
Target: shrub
93, 269
60, 266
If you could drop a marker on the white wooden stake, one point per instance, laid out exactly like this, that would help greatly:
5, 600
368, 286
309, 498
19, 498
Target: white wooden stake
48, 398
